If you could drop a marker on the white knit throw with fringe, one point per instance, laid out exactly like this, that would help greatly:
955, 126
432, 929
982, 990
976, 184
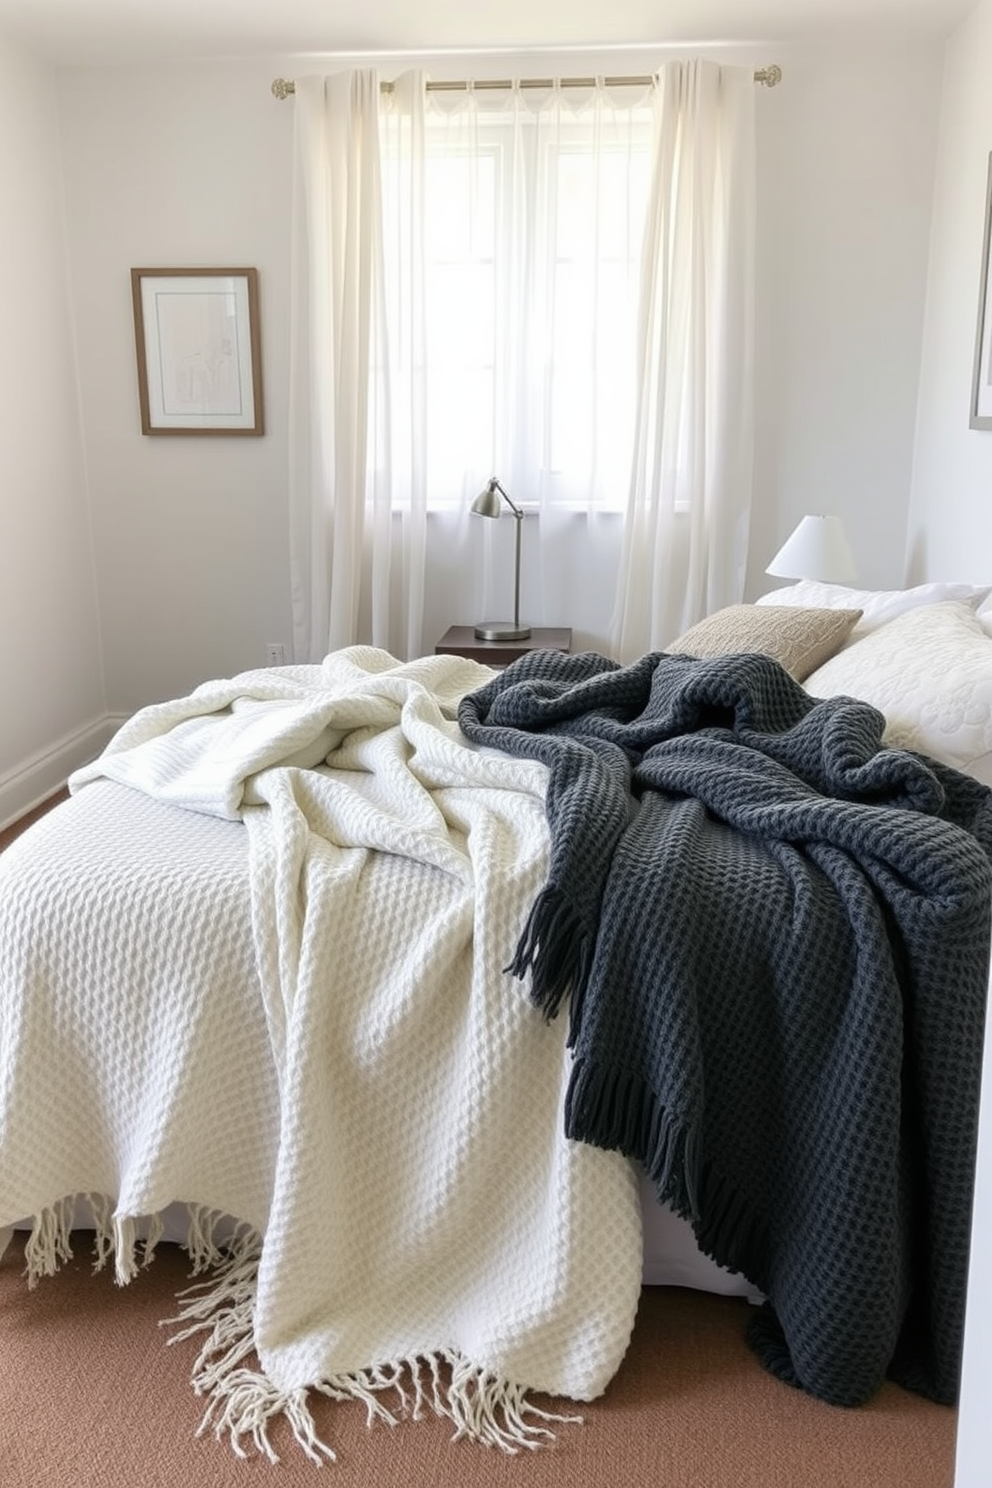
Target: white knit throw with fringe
316, 1037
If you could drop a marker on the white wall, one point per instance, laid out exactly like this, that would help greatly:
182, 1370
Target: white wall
191, 164
847, 160
950, 536
168, 167
950, 522
51, 685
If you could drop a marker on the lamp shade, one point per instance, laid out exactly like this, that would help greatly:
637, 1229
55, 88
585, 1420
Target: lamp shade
817, 549
487, 503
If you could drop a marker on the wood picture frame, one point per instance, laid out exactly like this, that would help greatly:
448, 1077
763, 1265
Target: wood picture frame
981, 386
198, 348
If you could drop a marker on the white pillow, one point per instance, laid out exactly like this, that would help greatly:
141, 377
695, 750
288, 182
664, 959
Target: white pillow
930, 672
877, 606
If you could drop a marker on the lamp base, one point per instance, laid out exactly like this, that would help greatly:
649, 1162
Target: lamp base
501, 630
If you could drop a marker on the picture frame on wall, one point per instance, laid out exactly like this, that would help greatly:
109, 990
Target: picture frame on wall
198, 349
981, 389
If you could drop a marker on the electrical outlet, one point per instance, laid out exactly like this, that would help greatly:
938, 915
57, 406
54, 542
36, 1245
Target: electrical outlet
275, 654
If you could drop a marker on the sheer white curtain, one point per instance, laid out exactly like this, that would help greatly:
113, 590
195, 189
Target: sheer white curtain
501, 283
688, 509
536, 200
357, 486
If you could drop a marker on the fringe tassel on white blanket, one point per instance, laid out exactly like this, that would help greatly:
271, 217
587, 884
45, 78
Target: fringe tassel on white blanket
243, 1402
115, 1237
49, 1244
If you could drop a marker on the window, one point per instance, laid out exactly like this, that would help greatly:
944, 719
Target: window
511, 306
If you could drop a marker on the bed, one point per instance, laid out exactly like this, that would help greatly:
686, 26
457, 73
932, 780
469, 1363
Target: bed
291, 979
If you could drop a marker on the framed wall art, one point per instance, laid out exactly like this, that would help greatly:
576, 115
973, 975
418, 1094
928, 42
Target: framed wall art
981, 388
199, 356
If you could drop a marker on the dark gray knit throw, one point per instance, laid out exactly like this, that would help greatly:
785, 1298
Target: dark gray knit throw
774, 933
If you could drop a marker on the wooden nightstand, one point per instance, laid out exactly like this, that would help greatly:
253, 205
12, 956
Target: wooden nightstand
461, 640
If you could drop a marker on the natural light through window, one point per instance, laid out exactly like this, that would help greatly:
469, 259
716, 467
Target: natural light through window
531, 234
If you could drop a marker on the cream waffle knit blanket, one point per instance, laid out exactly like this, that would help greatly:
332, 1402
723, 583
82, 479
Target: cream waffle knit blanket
317, 1037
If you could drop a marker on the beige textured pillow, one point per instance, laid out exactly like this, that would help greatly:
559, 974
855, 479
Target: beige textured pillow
801, 639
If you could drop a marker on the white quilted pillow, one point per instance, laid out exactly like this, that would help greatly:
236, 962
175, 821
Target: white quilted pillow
877, 606
930, 672
984, 613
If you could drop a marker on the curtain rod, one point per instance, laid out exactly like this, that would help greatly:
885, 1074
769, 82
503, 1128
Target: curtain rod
769, 77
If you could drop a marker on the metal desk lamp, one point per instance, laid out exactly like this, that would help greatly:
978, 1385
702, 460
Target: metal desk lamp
487, 504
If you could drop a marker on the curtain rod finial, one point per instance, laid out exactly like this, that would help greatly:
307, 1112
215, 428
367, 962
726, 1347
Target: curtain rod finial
283, 87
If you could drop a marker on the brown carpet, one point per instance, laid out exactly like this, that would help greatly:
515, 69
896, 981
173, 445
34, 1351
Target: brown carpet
92, 1396
8, 833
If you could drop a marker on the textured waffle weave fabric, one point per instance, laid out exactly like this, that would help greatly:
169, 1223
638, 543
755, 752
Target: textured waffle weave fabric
775, 937
287, 1004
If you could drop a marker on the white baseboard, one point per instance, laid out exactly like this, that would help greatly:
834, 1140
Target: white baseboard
45, 773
